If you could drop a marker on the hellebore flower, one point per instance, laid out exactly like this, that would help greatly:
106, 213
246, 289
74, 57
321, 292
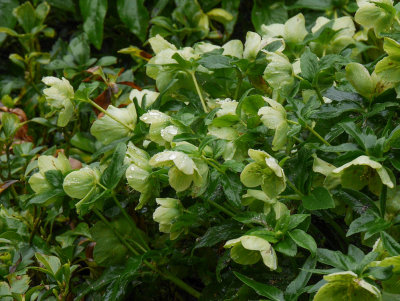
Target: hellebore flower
249, 249
166, 214
107, 129
183, 170
59, 96
264, 171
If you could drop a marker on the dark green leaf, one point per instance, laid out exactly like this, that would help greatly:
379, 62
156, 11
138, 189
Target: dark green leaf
135, 16
320, 198
309, 65
232, 188
217, 234
93, 12
304, 240
113, 173
264, 290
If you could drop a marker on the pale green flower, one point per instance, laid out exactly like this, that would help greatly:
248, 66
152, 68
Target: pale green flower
228, 107
347, 282
264, 171
183, 171
158, 121
38, 181
379, 17
138, 174
144, 95
233, 48
252, 45
158, 44
279, 71
388, 68
107, 129
269, 204
293, 31
249, 249
166, 214
60, 96
78, 184
274, 117
363, 171
343, 38
331, 179
204, 47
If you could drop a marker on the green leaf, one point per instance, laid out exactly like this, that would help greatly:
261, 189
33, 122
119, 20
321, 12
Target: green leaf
304, 240
232, 188
55, 178
80, 50
390, 244
113, 173
297, 286
217, 234
286, 246
7, 19
215, 61
10, 124
51, 263
320, 198
93, 13
46, 196
309, 65
109, 250
135, 16
264, 290
380, 273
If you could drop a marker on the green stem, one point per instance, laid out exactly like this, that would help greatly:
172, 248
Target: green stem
317, 135
203, 103
146, 247
290, 197
108, 224
223, 209
321, 99
239, 84
291, 185
164, 274
108, 114
382, 200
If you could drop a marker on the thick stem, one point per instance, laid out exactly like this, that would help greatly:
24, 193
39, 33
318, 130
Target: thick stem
203, 103
108, 114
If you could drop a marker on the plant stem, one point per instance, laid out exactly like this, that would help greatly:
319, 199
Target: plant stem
146, 247
382, 200
321, 99
291, 185
164, 274
239, 84
203, 103
223, 209
317, 135
108, 224
108, 114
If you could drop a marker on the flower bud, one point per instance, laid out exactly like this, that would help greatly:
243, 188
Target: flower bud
79, 183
